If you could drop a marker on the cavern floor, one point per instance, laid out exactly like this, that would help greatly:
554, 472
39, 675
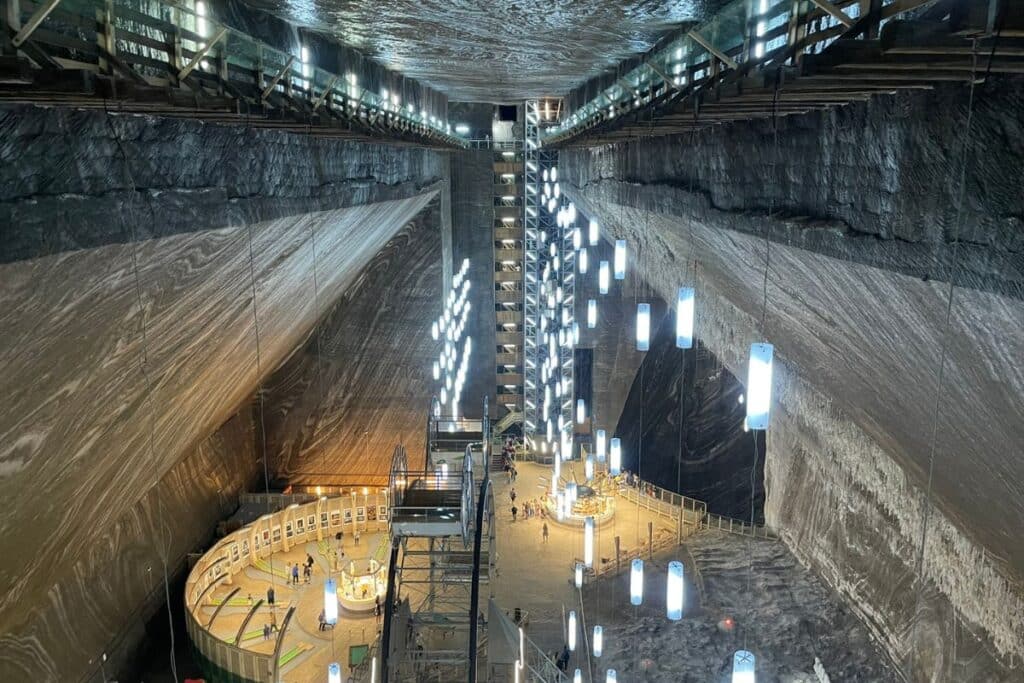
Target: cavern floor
795, 619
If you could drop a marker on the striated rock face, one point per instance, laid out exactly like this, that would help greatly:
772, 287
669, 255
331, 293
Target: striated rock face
99, 420
362, 383
859, 258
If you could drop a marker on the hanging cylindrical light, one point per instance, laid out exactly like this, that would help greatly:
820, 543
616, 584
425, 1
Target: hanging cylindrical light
597, 642
583, 262
743, 670
615, 458
577, 239
577, 676
620, 259
572, 631
588, 542
759, 385
435, 332
588, 467
591, 313
643, 327
330, 601
594, 233
570, 491
333, 673
602, 277
578, 575
437, 370
684, 318
581, 411
636, 582
600, 444
674, 591
610, 676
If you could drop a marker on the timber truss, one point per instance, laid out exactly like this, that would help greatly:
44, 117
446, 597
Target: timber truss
163, 58
779, 57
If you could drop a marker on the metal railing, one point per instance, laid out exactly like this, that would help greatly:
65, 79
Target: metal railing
735, 526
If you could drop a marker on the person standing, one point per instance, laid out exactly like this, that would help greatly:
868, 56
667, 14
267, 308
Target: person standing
544, 532
295, 573
266, 631
512, 495
376, 608
514, 511
322, 620
270, 596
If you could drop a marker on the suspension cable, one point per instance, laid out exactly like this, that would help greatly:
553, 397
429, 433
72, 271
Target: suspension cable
953, 274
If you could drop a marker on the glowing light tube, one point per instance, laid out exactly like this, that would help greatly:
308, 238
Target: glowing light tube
759, 385
588, 542
597, 645
572, 631
581, 411
674, 591
615, 458
743, 667
591, 314
620, 259
588, 467
594, 233
602, 277
600, 439
577, 677
333, 673
643, 327
684, 318
583, 262
610, 676
577, 239
636, 582
578, 575
331, 601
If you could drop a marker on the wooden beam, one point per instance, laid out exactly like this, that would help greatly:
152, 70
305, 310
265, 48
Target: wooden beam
201, 55
670, 82
627, 86
838, 14
706, 44
327, 91
277, 78
33, 22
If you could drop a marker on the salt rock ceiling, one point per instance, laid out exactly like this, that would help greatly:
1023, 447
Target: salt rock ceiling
502, 50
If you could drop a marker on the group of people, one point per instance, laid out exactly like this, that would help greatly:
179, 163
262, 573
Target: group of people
307, 571
508, 454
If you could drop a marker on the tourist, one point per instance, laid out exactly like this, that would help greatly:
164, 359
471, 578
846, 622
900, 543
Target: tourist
514, 511
309, 560
295, 574
270, 595
544, 532
266, 631
512, 494
307, 573
376, 607
322, 619
514, 473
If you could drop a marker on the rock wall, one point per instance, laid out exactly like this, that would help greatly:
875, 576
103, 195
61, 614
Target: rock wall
132, 249
362, 383
711, 457
859, 247
473, 238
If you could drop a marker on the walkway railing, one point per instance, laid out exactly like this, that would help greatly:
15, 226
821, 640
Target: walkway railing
743, 37
167, 58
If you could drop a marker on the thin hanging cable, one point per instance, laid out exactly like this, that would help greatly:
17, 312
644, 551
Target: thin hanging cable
165, 544
953, 274
259, 395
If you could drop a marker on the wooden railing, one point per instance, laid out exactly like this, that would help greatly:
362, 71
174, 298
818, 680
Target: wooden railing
161, 56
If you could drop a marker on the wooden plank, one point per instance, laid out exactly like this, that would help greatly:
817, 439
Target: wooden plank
201, 55
834, 12
706, 44
38, 17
